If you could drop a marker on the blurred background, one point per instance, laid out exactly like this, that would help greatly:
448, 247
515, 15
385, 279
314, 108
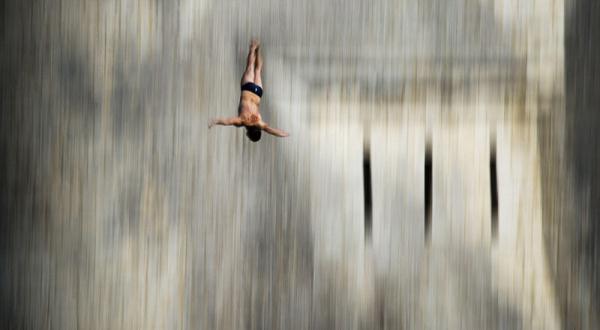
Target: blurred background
442, 170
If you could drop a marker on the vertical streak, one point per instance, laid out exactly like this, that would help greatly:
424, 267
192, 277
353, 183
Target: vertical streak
494, 191
428, 168
367, 189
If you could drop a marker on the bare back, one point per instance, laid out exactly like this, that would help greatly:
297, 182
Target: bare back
249, 109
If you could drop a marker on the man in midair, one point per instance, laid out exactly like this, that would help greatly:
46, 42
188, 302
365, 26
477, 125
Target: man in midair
248, 109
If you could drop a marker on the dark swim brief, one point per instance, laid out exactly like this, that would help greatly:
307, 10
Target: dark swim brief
252, 88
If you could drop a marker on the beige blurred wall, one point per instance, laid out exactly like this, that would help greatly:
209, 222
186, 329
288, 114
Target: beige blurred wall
121, 210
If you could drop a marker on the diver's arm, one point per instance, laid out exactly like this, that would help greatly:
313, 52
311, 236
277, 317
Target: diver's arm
235, 121
273, 131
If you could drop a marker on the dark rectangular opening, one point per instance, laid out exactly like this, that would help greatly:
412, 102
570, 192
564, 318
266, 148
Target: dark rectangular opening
428, 166
494, 191
367, 189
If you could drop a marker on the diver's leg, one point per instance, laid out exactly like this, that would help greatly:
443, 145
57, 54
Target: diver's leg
248, 75
258, 67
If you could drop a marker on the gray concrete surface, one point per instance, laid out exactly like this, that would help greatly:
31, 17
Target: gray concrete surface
121, 210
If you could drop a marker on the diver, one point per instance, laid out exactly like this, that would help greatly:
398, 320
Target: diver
248, 109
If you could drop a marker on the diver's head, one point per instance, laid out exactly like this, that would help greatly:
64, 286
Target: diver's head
253, 133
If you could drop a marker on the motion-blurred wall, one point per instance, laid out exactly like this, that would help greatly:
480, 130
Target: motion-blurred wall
121, 210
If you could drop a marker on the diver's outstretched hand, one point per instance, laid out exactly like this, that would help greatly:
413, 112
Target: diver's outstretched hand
275, 131
235, 121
